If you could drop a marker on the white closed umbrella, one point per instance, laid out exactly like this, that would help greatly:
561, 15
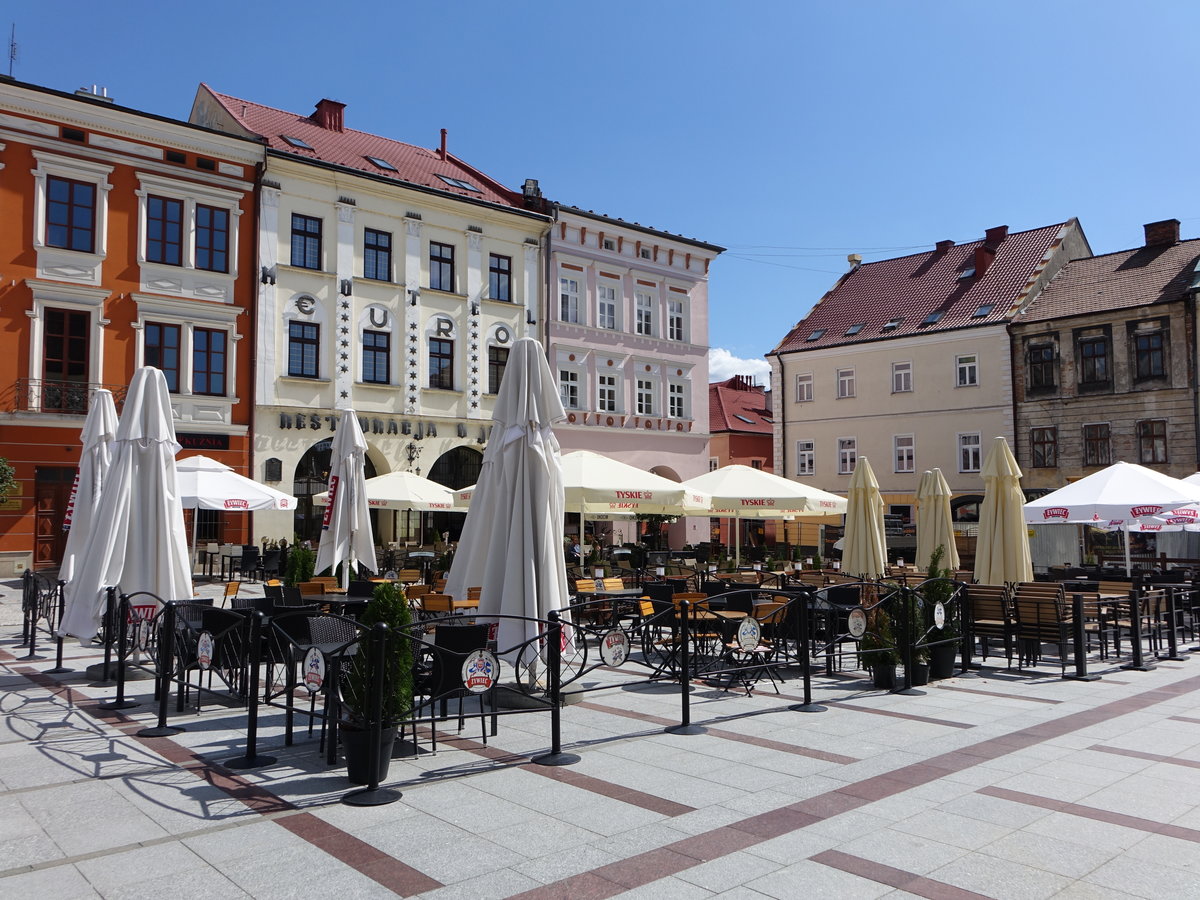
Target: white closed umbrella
865, 550
935, 525
346, 529
142, 545
99, 429
511, 544
743, 492
1002, 544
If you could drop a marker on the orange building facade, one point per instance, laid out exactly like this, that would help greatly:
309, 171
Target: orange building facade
126, 239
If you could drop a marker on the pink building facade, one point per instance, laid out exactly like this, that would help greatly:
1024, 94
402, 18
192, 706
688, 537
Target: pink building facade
626, 332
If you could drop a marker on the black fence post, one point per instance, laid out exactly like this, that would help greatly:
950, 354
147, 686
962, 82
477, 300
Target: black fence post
122, 648
685, 725
1079, 641
1173, 653
26, 587
59, 668
555, 757
373, 794
110, 604
802, 650
908, 606
166, 669
252, 759
1138, 664
29, 610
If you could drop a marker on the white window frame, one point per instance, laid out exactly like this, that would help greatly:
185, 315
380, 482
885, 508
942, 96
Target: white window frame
192, 195
847, 450
614, 404
189, 316
58, 262
643, 306
607, 304
676, 320
902, 377
76, 298
568, 299
972, 449
804, 387
966, 368
806, 457
714, 463
568, 387
845, 383
677, 392
904, 452
645, 390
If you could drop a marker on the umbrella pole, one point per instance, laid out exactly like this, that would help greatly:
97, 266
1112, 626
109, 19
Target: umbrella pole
195, 519
1128, 567
736, 523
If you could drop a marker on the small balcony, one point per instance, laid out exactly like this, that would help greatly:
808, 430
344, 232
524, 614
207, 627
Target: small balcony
37, 395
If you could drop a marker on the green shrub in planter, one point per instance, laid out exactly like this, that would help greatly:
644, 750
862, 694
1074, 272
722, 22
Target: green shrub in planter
300, 564
388, 605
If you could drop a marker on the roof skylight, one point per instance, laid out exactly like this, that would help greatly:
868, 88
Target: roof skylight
297, 142
855, 329
983, 310
966, 273
381, 163
459, 183
892, 323
816, 335
932, 317
744, 419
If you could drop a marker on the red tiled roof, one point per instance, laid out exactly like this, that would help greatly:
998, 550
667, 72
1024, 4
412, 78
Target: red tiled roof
1128, 278
349, 148
736, 397
910, 288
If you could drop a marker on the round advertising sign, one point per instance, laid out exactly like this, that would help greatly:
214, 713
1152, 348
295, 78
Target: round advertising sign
314, 669
939, 615
204, 650
614, 648
479, 671
748, 633
856, 623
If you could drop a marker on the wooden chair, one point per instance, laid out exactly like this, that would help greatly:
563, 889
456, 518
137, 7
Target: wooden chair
1042, 618
408, 576
612, 584
231, 591
311, 588
330, 583
990, 615
473, 594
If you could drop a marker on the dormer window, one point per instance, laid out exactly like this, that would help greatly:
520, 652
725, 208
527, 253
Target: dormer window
459, 183
855, 329
816, 335
297, 142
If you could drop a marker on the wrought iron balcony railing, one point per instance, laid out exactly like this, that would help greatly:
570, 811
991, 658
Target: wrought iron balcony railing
59, 397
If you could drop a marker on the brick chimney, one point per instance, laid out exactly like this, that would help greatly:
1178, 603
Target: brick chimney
943, 246
1164, 232
329, 114
985, 253
994, 237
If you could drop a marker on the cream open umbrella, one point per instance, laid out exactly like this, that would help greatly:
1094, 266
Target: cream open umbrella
142, 545
402, 491
99, 429
743, 492
1002, 545
346, 528
935, 525
511, 544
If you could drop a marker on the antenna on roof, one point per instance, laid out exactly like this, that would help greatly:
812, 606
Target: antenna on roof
12, 49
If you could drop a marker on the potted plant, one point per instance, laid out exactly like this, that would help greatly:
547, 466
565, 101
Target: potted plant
914, 624
389, 605
877, 649
938, 588
300, 563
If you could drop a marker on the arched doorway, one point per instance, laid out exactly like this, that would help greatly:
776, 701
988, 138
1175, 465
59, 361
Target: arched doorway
456, 468
312, 477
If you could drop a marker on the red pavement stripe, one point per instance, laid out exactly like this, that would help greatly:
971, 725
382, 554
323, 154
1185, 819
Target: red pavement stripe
1152, 757
1096, 814
965, 690
766, 743
804, 813
1185, 719
386, 870
893, 877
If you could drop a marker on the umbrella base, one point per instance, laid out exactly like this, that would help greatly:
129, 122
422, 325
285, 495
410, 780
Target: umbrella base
556, 759
686, 729
249, 762
808, 708
165, 731
368, 797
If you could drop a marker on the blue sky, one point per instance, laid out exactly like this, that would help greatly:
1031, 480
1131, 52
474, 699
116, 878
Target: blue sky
791, 133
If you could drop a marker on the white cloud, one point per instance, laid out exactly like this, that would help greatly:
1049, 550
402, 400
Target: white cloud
722, 365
